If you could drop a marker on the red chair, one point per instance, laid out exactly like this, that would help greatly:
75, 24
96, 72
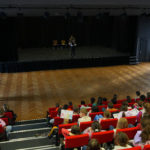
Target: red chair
90, 105
88, 109
6, 120
104, 102
146, 147
84, 125
120, 101
75, 118
70, 107
117, 106
134, 148
129, 131
1, 129
92, 115
100, 107
66, 126
80, 105
76, 141
103, 136
106, 123
131, 104
9, 115
53, 114
131, 120
51, 109
58, 120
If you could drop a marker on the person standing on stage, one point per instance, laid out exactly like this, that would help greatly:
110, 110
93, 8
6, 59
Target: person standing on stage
72, 44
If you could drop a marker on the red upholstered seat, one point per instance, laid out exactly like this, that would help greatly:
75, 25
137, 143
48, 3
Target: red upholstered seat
146, 147
53, 114
75, 118
117, 106
103, 136
131, 120
51, 109
76, 141
58, 120
90, 105
92, 115
129, 131
131, 104
6, 120
100, 107
84, 125
106, 123
66, 126
134, 148
1, 129
120, 101
9, 115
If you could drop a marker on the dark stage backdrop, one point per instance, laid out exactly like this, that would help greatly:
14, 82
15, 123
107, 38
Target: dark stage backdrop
35, 32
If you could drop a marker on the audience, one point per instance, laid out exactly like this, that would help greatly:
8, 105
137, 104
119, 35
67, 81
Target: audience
100, 101
110, 107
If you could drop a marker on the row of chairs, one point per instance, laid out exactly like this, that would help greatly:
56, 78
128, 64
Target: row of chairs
104, 124
102, 137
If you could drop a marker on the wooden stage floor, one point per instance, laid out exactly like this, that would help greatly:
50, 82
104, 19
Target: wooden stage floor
30, 94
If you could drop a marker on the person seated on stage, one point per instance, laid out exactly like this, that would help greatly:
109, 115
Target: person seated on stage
6, 109
55, 44
121, 141
83, 115
63, 43
72, 44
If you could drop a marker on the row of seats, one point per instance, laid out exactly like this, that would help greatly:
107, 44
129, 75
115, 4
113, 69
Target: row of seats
102, 137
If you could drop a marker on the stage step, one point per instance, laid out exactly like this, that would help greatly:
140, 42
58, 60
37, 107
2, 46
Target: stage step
29, 133
30, 121
29, 142
133, 60
29, 126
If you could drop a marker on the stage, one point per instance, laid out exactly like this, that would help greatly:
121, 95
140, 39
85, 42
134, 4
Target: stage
82, 52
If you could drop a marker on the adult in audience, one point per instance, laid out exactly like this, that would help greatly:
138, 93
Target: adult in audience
8, 128
122, 123
83, 105
95, 127
128, 99
123, 111
114, 99
93, 101
83, 115
142, 98
94, 145
137, 95
121, 141
107, 115
100, 101
75, 110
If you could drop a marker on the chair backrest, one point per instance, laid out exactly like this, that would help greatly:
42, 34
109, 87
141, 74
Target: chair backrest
9, 115
90, 105
100, 107
131, 104
84, 125
103, 136
129, 131
75, 118
66, 126
6, 120
92, 115
104, 102
88, 109
58, 120
131, 120
76, 141
117, 106
120, 101
134, 148
53, 114
1, 129
107, 122
146, 147
51, 109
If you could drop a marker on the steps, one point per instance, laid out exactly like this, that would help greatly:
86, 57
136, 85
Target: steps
29, 135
